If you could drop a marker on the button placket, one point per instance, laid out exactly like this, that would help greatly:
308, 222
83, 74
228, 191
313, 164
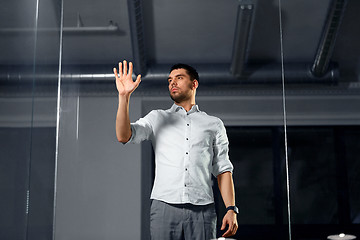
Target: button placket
187, 150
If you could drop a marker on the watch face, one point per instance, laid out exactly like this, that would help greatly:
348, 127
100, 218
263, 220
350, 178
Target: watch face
236, 209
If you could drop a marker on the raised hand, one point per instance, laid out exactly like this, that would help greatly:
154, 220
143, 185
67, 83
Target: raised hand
124, 82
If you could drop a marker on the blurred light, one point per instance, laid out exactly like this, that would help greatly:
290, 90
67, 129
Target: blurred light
222, 238
341, 236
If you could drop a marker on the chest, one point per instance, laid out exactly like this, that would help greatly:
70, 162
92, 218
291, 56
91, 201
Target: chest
176, 130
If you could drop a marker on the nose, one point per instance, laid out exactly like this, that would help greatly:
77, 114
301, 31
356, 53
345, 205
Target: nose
173, 83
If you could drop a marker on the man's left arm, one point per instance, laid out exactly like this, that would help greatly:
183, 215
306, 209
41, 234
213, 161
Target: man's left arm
226, 187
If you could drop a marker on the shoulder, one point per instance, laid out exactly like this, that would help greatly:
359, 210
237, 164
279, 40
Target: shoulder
155, 114
211, 118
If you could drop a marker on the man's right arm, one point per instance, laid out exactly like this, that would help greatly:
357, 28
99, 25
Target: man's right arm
125, 86
123, 129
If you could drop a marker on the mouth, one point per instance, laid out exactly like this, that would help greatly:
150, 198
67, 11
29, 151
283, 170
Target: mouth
174, 90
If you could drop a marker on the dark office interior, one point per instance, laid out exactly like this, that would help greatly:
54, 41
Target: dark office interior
283, 75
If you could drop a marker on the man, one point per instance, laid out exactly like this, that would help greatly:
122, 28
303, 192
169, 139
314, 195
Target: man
189, 147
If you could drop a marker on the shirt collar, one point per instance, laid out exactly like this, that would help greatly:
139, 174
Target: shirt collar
176, 108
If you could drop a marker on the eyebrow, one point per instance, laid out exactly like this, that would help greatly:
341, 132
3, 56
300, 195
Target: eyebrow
178, 75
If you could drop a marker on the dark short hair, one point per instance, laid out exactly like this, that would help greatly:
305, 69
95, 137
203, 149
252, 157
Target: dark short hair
189, 69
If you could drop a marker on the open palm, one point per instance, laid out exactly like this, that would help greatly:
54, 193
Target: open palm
124, 82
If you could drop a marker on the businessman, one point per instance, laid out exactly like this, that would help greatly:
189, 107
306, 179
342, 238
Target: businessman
190, 146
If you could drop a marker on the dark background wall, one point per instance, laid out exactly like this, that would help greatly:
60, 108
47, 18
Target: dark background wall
27, 182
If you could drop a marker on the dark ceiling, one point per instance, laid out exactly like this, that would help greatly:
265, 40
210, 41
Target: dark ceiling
228, 41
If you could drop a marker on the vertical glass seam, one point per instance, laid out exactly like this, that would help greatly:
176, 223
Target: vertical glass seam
27, 207
285, 119
77, 116
58, 109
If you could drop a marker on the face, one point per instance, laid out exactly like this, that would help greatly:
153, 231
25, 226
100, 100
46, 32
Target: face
181, 88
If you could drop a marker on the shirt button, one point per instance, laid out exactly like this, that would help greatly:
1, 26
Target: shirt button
187, 153
187, 138
185, 185
188, 124
185, 169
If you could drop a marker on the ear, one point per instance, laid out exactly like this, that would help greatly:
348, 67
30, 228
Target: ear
195, 84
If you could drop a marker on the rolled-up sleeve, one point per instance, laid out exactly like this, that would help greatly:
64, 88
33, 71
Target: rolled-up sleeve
141, 130
221, 162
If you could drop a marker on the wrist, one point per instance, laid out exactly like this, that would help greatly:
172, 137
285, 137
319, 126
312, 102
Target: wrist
233, 209
124, 95
124, 98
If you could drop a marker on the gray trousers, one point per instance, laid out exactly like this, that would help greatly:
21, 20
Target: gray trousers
182, 221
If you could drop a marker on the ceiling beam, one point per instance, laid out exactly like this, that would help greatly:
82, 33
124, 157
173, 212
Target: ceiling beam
328, 38
242, 36
135, 10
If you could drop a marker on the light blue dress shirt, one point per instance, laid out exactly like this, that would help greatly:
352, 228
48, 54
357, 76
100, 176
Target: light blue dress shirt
189, 147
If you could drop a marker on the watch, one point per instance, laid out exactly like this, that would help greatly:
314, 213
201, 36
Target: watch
234, 208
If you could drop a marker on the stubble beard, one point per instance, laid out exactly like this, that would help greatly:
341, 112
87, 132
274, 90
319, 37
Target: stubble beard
179, 98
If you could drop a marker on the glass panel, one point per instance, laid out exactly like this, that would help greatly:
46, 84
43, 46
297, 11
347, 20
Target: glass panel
351, 141
313, 175
323, 118
29, 40
98, 183
258, 157
103, 187
43, 148
252, 153
16, 59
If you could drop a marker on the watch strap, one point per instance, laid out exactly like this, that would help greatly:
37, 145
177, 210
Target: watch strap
234, 208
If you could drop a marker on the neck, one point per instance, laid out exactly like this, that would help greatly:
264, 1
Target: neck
187, 105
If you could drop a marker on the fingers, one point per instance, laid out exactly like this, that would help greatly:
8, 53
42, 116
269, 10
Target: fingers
120, 69
130, 68
123, 71
232, 227
125, 67
231, 231
223, 225
228, 232
115, 73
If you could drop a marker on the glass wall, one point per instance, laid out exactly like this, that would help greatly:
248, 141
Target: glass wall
98, 181
292, 117
323, 126
30, 38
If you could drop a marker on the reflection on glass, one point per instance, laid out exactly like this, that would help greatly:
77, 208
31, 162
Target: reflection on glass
323, 112
27, 122
100, 181
99, 178
17, 52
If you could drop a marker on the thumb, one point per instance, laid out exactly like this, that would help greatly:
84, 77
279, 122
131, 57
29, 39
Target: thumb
138, 80
223, 224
